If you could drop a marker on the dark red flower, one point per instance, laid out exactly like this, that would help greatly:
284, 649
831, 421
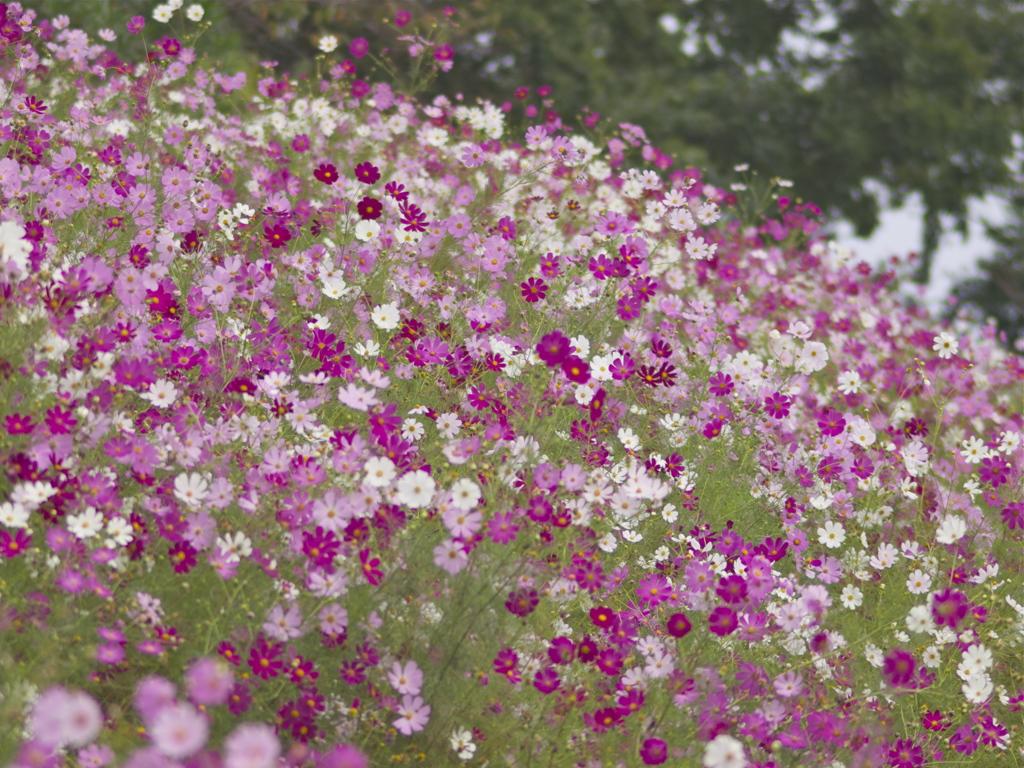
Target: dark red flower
277, 235
522, 602
370, 208
263, 660
367, 173
678, 625
183, 557
654, 752
326, 173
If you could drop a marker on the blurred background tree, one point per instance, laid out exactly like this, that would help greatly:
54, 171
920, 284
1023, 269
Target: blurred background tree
846, 98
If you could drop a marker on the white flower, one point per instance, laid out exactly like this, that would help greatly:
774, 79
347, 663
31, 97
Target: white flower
462, 742
851, 597
977, 689
367, 229
13, 515
191, 488
334, 287
920, 619
86, 524
416, 489
628, 439
951, 530
945, 345
724, 752
1008, 442
163, 13
465, 494
919, 582
380, 471
237, 545
448, 425
194, 12
120, 532
931, 657
14, 247
632, 536
669, 513
973, 450
979, 656
831, 535
886, 557
849, 383
386, 316
608, 543
412, 429
874, 655
161, 394
812, 358
328, 43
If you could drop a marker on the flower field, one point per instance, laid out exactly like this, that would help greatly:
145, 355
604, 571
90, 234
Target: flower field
345, 430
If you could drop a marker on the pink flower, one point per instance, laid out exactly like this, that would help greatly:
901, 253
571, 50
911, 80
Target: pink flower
450, 556
251, 745
413, 715
179, 731
209, 681
407, 678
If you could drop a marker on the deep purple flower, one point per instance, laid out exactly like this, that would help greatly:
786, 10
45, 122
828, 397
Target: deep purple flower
320, 547
995, 471
576, 369
277, 235
533, 290
905, 754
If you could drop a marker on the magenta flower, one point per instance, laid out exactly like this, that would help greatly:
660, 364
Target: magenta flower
654, 588
534, 290
546, 680
522, 602
370, 570
777, 405
1013, 515
898, 667
678, 625
135, 24
721, 384
949, 608
561, 651
19, 424
263, 660
995, 471
358, 48
831, 423
609, 661
553, 349
906, 754
12, 545
722, 621
575, 369
321, 547
501, 529
402, 18
654, 752
505, 663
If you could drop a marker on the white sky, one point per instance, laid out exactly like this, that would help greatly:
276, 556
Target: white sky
901, 232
